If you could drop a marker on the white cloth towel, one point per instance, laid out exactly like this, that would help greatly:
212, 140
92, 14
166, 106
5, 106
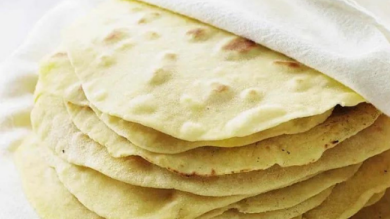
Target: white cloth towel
336, 37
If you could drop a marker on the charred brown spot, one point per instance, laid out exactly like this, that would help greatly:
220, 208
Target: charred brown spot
240, 45
185, 174
192, 174
335, 142
326, 146
290, 64
212, 172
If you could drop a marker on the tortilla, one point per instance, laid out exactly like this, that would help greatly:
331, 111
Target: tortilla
59, 133
43, 189
285, 151
295, 194
57, 77
380, 210
158, 142
289, 213
188, 79
375, 199
117, 200
351, 196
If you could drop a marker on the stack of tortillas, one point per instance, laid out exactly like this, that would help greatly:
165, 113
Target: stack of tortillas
144, 113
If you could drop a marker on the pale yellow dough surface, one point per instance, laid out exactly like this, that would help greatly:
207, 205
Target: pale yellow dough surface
45, 192
115, 199
190, 80
118, 200
57, 77
375, 199
295, 194
58, 131
351, 196
380, 210
288, 213
285, 151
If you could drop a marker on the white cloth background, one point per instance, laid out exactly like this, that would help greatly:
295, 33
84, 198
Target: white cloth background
17, 18
17, 74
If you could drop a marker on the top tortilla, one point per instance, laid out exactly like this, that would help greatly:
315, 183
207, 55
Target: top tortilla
189, 80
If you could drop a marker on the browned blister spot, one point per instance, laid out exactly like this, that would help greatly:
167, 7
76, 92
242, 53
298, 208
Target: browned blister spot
151, 35
198, 34
142, 21
290, 64
159, 76
170, 56
240, 45
219, 88
148, 17
252, 92
115, 36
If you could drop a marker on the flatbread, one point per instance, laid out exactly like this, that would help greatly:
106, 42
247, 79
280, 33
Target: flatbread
285, 151
287, 198
114, 199
57, 77
158, 142
295, 194
374, 199
380, 210
351, 196
59, 133
188, 79
289, 213
45, 192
